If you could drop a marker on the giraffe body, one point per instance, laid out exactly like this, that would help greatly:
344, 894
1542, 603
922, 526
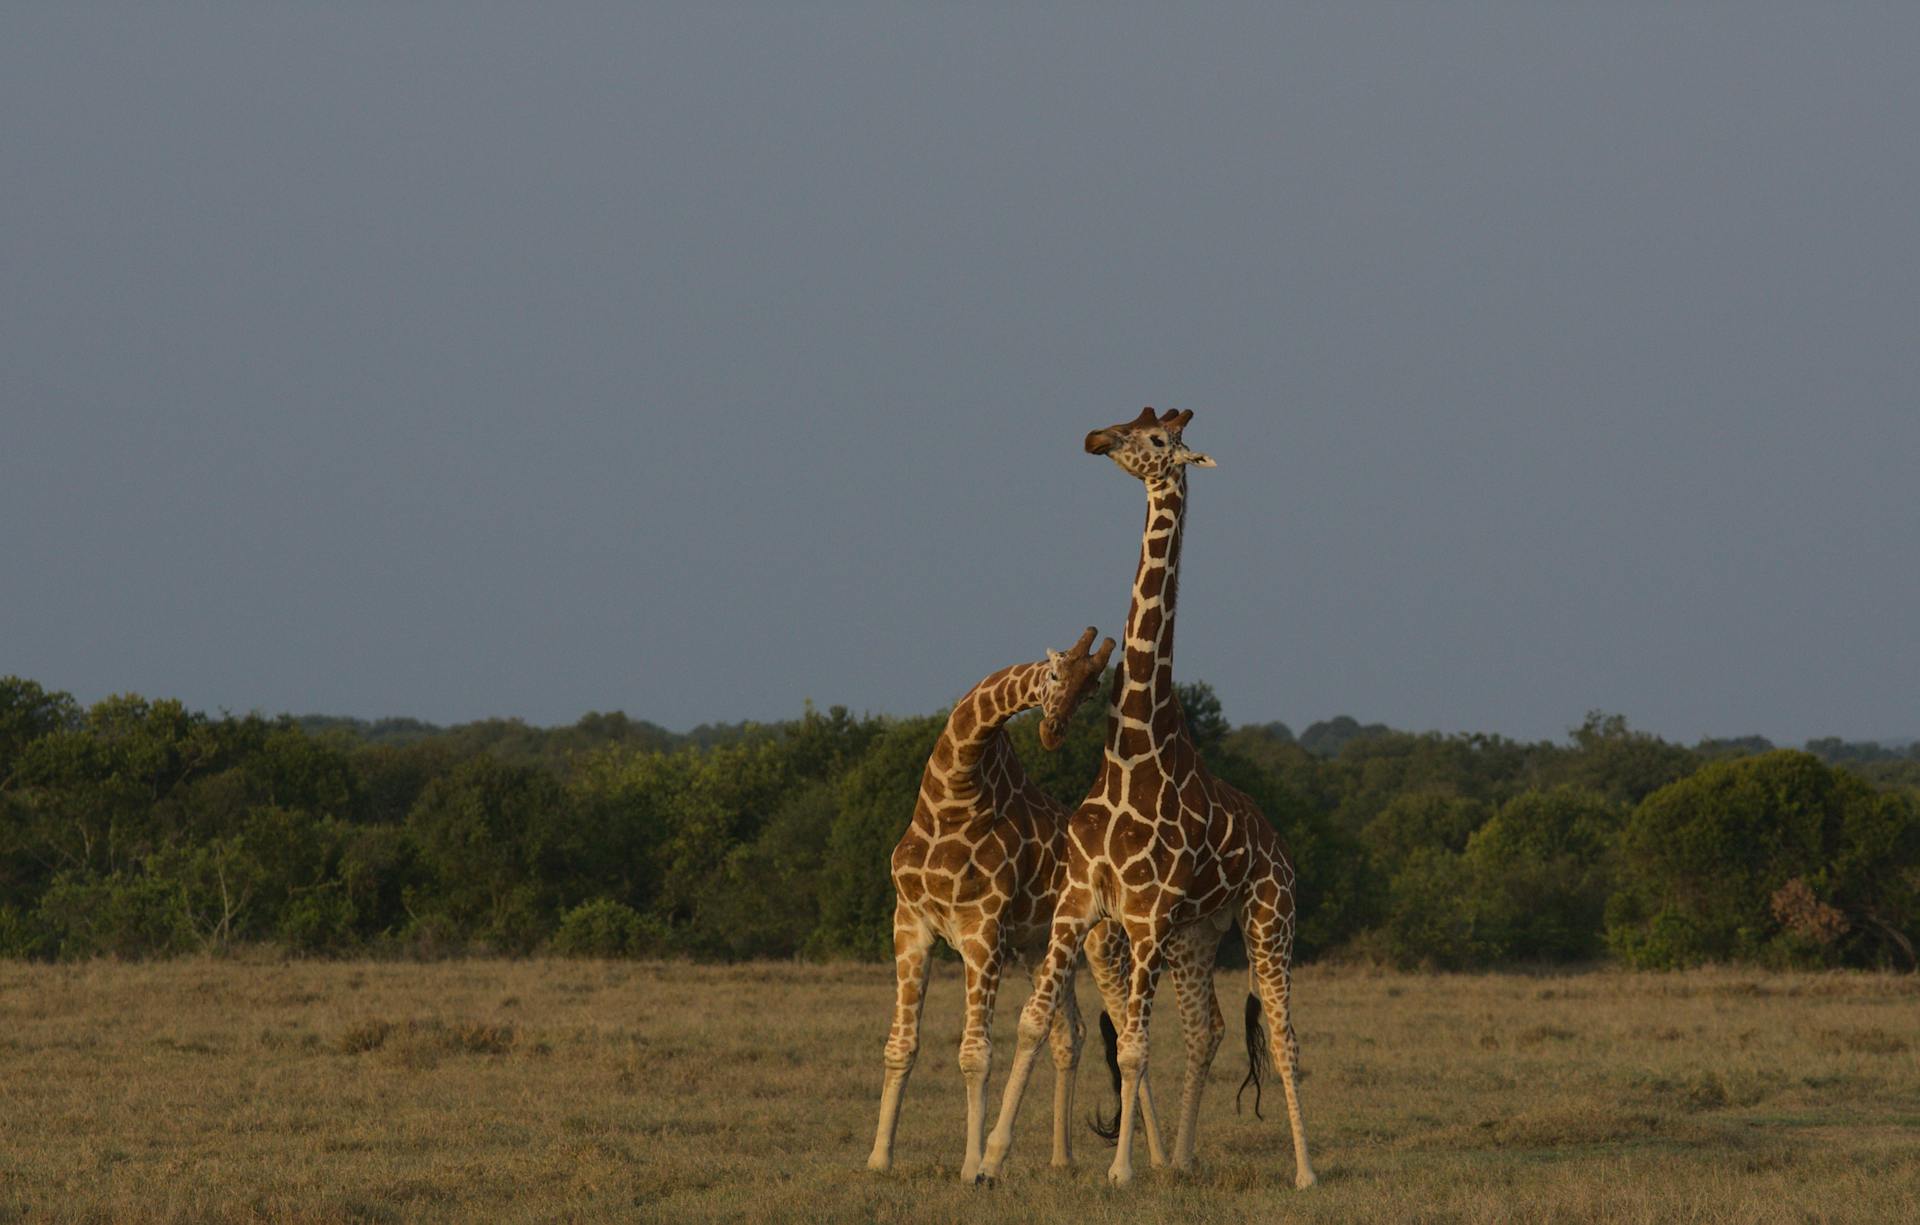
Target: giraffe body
1163, 849
980, 867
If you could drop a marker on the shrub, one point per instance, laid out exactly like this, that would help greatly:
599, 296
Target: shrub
1709, 862
1541, 871
600, 928
498, 841
876, 801
318, 922
20, 934
765, 900
1430, 918
122, 915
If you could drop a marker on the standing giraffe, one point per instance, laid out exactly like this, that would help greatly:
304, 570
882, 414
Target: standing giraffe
980, 867
1162, 847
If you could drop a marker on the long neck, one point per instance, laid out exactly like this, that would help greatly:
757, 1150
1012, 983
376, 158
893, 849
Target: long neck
1145, 714
973, 729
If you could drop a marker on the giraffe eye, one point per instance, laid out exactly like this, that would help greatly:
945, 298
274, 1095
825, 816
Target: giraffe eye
1159, 441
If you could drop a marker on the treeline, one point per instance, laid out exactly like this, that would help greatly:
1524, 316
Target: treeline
138, 828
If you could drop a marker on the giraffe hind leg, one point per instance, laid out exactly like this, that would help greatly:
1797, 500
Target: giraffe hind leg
1190, 956
1146, 938
1066, 1038
1269, 930
1109, 960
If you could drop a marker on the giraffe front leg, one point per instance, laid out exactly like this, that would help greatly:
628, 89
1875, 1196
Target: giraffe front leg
1066, 1038
1147, 939
984, 958
1108, 959
1071, 918
912, 943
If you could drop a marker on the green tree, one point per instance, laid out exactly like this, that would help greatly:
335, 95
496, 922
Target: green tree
28, 712
875, 803
1612, 760
1330, 737
391, 778
1705, 858
499, 841
625, 802
124, 914
765, 900
1430, 921
1422, 821
1540, 872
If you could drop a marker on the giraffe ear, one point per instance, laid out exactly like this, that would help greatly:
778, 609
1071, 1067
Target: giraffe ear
1053, 658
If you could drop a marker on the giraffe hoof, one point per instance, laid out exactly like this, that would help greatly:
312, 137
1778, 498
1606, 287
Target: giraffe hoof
985, 1180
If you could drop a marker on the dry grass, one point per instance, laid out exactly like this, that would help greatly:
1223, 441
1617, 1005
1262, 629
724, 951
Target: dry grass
491, 1091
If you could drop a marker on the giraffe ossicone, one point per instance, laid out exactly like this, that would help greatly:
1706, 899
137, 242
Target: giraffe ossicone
979, 867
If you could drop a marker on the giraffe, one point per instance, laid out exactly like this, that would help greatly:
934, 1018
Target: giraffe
1162, 847
979, 866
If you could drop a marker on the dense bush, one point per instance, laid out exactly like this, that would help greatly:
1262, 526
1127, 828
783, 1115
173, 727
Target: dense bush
875, 801
601, 928
1540, 871
128, 915
1707, 860
136, 828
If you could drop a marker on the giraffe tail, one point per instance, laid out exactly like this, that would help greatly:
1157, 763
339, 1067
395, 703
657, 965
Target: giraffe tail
1258, 1057
1108, 1129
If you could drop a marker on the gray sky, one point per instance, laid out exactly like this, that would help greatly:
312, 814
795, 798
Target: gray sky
460, 360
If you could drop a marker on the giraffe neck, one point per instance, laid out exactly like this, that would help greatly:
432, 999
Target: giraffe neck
973, 732
1143, 697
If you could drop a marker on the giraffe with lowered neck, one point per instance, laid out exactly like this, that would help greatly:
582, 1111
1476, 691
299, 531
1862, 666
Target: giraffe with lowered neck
980, 866
1162, 848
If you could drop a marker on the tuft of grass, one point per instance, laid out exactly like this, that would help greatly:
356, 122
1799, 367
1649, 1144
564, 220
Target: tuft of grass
418, 1043
1711, 1089
364, 1036
1874, 1041
285, 1040
1571, 1126
1539, 1034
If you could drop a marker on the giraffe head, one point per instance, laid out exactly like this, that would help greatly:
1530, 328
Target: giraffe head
1148, 447
1071, 676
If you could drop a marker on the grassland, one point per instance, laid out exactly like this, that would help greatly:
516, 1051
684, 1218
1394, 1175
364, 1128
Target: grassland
545, 1090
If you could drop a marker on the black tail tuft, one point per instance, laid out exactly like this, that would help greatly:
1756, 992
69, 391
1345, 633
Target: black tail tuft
1258, 1059
1109, 1129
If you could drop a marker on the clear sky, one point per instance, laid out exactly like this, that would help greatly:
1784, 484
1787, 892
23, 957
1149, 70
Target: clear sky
696, 360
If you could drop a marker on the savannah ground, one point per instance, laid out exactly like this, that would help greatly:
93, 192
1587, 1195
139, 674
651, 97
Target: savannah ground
553, 1090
